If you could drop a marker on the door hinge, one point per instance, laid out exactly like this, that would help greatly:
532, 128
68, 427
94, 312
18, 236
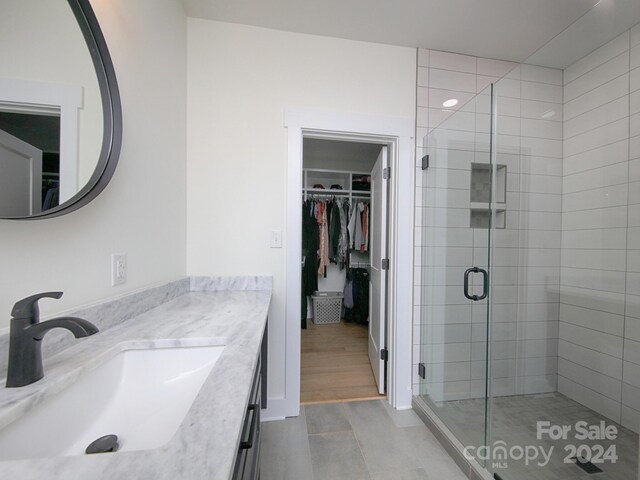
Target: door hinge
425, 162
422, 371
384, 354
386, 173
384, 264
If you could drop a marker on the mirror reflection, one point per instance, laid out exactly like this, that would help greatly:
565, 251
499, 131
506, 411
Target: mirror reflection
51, 119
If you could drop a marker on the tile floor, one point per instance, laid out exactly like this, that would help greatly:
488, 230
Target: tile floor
514, 420
365, 440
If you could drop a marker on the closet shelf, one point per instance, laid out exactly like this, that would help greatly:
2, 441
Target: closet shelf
343, 178
324, 191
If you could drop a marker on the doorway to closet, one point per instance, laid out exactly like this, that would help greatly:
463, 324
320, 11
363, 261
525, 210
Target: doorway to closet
344, 247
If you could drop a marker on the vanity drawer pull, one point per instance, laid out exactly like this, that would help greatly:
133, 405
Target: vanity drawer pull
254, 425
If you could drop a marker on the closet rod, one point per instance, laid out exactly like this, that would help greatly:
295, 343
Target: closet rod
311, 196
326, 191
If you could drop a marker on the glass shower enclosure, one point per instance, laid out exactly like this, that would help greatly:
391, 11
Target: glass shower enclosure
529, 273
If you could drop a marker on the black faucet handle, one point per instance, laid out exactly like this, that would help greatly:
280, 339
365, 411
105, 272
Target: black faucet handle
28, 307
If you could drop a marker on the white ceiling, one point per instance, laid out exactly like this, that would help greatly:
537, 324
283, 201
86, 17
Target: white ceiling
604, 22
339, 155
503, 29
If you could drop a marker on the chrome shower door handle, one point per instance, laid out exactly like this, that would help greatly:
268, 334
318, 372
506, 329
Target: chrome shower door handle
485, 283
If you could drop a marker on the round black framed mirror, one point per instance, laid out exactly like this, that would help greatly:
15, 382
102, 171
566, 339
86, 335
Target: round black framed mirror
60, 110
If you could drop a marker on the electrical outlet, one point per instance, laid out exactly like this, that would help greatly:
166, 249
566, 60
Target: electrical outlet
276, 238
118, 269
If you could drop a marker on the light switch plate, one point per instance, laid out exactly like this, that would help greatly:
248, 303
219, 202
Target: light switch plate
118, 269
276, 238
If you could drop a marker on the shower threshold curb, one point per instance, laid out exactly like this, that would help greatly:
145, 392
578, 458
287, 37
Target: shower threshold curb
471, 468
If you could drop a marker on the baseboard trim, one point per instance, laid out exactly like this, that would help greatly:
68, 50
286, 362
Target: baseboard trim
277, 409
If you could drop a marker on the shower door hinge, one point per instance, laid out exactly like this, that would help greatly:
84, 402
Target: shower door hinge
425, 162
422, 371
384, 264
384, 354
386, 173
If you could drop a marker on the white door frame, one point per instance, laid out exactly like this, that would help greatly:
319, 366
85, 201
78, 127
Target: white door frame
398, 134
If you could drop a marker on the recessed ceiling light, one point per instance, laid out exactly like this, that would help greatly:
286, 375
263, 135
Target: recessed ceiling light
450, 103
549, 114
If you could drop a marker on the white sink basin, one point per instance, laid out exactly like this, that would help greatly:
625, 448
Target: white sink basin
141, 396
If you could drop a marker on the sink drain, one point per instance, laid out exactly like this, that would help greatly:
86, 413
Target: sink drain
108, 443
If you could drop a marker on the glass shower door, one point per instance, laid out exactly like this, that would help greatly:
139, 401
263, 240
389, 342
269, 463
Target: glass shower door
456, 224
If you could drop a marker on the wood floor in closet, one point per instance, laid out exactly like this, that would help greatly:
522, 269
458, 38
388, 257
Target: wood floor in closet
335, 364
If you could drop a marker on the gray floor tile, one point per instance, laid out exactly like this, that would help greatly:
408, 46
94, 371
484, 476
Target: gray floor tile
337, 456
423, 448
380, 440
414, 474
284, 451
402, 418
381, 453
443, 467
375, 448
326, 418
420, 443
369, 417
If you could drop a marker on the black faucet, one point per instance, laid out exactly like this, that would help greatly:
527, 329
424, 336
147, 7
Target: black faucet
25, 338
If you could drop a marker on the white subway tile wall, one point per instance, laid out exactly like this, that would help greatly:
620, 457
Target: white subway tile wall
450, 333
566, 276
598, 281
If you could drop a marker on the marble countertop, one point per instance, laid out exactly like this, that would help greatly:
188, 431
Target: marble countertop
206, 442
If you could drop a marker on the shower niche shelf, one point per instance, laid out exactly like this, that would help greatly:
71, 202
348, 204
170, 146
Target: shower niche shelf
480, 196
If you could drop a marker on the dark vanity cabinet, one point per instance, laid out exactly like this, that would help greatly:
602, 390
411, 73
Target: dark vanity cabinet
247, 465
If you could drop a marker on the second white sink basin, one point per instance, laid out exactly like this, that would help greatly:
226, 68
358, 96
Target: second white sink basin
141, 396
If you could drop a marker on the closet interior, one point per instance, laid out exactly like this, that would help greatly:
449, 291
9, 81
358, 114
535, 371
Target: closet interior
336, 213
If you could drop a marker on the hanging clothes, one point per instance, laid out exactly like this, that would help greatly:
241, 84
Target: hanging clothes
333, 236
361, 297
359, 227
309, 255
364, 246
324, 238
334, 230
331, 230
338, 236
355, 227
50, 194
343, 242
347, 294
356, 296
352, 226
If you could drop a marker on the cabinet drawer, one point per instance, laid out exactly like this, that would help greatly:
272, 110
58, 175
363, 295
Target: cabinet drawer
247, 465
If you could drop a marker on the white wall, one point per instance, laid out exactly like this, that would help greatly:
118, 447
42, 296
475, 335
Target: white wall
142, 211
599, 346
240, 80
